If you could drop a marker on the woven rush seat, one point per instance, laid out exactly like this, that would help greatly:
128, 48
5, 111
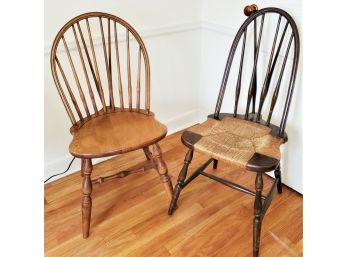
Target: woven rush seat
239, 142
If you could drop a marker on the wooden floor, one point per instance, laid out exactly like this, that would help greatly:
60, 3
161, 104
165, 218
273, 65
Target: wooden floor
129, 215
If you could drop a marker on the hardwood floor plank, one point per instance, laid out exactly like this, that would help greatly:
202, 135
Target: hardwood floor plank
129, 215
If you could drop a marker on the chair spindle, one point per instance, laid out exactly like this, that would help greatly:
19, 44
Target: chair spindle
267, 77
85, 70
88, 59
77, 81
138, 79
129, 74
255, 80
120, 89
65, 101
239, 80
251, 90
73, 99
107, 65
276, 91
99, 85
111, 94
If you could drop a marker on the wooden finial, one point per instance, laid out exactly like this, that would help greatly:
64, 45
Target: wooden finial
250, 9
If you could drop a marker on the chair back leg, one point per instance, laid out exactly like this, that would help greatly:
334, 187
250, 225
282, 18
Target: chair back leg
277, 174
215, 164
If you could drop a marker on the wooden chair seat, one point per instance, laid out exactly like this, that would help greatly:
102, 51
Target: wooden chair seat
239, 142
107, 99
114, 133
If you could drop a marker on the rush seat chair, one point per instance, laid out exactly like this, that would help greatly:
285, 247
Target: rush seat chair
269, 42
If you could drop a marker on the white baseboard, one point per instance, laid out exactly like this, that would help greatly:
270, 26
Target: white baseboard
182, 121
174, 124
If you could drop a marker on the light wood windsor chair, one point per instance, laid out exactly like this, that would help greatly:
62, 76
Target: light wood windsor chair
105, 122
246, 140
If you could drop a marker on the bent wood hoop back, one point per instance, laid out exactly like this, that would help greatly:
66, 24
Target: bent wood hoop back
283, 34
88, 70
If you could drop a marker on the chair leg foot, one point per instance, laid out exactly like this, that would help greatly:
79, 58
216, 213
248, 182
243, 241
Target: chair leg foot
256, 237
86, 201
215, 164
277, 174
173, 205
257, 214
162, 170
181, 179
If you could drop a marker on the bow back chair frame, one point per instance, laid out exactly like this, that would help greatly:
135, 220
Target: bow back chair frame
103, 118
263, 159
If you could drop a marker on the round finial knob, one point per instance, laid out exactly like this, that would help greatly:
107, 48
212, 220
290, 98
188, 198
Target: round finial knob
250, 9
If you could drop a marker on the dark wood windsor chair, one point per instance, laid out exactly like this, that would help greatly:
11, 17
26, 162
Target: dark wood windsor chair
246, 140
105, 120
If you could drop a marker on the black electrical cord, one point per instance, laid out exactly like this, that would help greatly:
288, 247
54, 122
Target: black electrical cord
61, 172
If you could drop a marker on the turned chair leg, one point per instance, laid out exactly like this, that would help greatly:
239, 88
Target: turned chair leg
86, 200
215, 164
180, 182
257, 214
162, 170
147, 153
277, 174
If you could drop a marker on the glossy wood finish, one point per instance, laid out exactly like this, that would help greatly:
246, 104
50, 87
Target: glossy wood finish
277, 174
257, 214
129, 215
87, 81
86, 201
181, 179
102, 84
115, 133
273, 77
289, 26
250, 9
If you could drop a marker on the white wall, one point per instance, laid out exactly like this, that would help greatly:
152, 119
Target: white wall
220, 24
175, 68
185, 74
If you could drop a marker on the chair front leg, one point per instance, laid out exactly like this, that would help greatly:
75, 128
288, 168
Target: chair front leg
277, 174
86, 201
181, 179
162, 170
257, 214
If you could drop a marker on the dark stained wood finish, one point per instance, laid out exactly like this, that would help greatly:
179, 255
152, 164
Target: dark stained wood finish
257, 214
289, 23
277, 174
189, 138
101, 125
215, 164
258, 163
129, 216
181, 180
